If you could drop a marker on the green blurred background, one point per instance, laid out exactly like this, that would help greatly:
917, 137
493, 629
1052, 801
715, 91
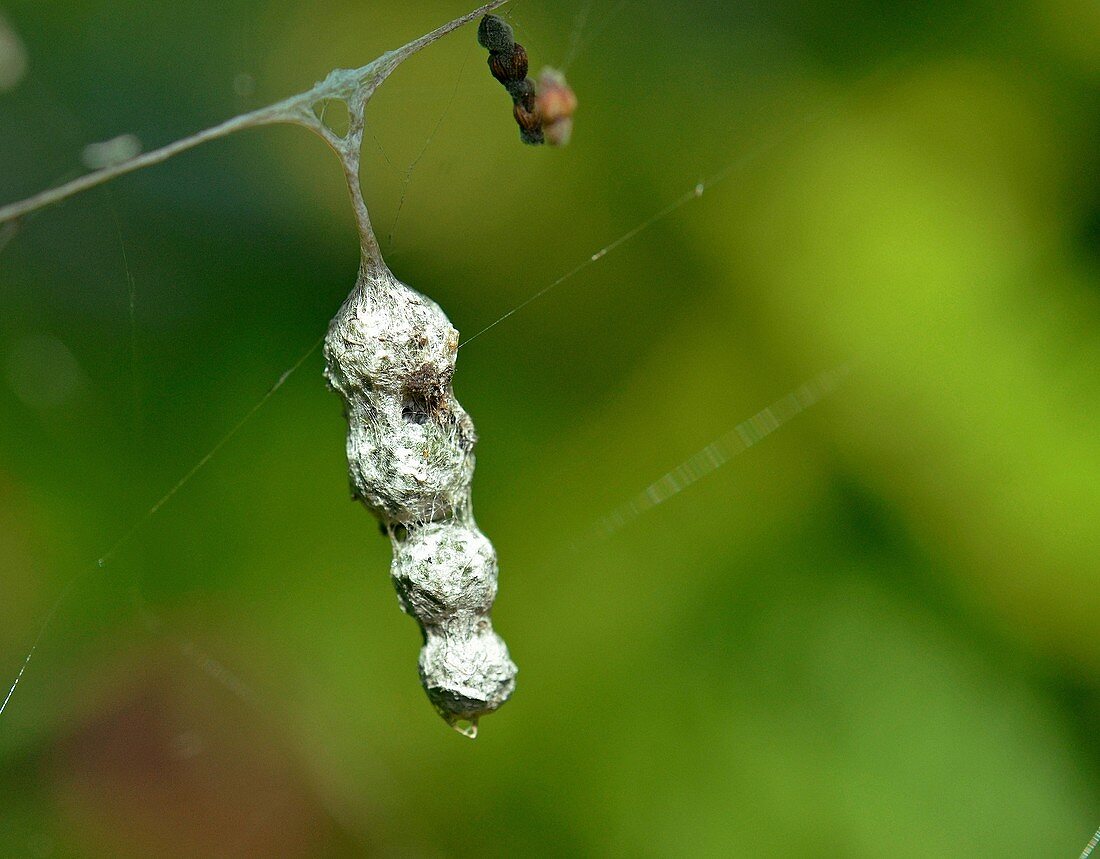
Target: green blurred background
873, 635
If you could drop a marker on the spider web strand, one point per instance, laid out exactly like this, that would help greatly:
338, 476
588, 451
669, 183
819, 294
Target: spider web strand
720, 451
1090, 846
151, 512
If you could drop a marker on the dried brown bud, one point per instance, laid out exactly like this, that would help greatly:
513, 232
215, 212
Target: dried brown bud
530, 126
508, 68
494, 34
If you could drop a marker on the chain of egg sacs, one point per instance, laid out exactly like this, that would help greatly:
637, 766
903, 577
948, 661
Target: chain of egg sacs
390, 353
544, 113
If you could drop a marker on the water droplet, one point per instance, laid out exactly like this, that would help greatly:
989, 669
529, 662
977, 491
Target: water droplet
699, 189
466, 727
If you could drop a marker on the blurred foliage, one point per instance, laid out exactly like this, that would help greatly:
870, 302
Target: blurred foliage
872, 635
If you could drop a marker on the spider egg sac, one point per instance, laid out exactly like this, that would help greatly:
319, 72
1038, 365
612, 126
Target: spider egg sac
390, 354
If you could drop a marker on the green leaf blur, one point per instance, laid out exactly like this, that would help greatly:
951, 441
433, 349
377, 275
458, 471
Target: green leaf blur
874, 634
